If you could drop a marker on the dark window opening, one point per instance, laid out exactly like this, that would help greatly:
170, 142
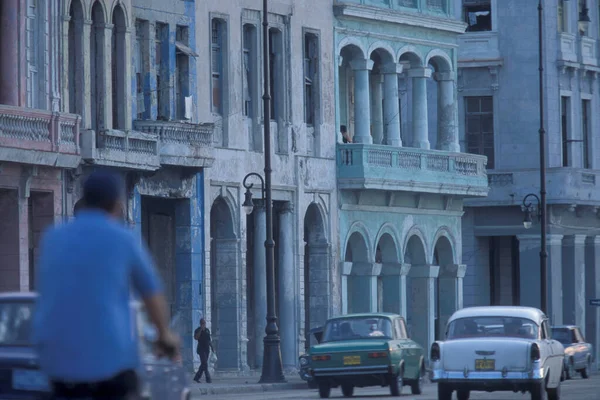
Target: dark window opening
478, 15
565, 107
479, 127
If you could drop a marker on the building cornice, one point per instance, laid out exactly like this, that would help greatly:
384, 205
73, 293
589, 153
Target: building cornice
379, 15
407, 39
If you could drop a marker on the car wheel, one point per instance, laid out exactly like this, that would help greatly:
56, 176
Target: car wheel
585, 373
463, 394
444, 392
324, 390
538, 391
570, 369
347, 390
396, 384
416, 386
554, 394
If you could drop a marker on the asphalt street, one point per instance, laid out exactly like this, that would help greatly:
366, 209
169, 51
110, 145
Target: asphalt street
576, 389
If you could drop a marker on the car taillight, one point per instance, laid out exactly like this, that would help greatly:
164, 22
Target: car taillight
326, 357
435, 352
535, 352
380, 354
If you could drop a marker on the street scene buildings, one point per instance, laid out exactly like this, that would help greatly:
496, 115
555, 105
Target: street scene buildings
417, 209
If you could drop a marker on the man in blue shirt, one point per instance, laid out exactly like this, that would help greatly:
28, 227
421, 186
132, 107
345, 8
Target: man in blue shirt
83, 321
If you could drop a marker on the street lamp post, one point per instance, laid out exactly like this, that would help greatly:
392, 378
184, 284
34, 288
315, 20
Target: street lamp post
272, 369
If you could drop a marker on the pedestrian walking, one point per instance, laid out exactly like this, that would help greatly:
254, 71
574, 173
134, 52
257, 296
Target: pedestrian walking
83, 322
204, 347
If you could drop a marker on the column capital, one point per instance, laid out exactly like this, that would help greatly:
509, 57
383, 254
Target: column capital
419, 73
108, 26
574, 240
259, 204
362, 64
286, 207
88, 22
424, 271
340, 60
395, 269
593, 240
453, 271
443, 76
392, 68
66, 18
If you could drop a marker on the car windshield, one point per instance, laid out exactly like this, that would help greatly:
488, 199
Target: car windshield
357, 328
15, 323
492, 327
563, 335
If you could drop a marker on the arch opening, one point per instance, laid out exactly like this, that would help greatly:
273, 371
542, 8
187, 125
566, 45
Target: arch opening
118, 68
97, 68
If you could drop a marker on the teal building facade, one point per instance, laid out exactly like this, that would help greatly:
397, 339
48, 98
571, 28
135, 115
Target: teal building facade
401, 178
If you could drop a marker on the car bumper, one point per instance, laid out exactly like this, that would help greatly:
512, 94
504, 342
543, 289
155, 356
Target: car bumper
332, 372
492, 380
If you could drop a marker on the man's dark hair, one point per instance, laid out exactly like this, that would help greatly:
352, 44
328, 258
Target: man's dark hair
343, 128
102, 190
80, 205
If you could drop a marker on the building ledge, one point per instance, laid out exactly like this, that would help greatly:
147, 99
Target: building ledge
379, 167
39, 137
181, 143
398, 16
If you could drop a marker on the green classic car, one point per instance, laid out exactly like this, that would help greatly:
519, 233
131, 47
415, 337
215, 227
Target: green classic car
361, 350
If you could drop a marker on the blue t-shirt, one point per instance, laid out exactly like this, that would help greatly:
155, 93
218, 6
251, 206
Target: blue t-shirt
83, 321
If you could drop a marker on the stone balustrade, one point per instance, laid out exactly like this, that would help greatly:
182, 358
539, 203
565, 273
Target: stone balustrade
39, 137
181, 143
368, 166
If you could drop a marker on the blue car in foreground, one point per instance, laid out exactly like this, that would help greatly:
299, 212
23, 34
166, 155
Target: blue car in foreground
21, 378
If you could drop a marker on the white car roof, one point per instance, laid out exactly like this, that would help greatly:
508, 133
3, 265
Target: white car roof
530, 313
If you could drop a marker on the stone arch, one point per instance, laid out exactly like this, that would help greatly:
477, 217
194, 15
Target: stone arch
119, 66
351, 43
389, 231
102, 7
415, 246
316, 271
224, 280
411, 55
357, 245
98, 69
76, 84
444, 247
439, 60
121, 4
384, 50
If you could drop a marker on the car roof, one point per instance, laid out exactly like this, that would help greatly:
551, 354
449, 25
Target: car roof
18, 296
530, 313
564, 326
365, 315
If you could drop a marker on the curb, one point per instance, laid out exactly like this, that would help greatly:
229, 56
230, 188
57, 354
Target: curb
249, 388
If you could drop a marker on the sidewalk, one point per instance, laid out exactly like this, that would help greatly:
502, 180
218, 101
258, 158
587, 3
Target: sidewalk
244, 384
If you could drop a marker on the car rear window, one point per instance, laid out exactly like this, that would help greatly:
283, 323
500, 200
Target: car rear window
15, 323
352, 328
492, 327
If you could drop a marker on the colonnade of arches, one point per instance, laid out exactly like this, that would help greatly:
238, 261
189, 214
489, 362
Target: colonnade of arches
425, 287
369, 85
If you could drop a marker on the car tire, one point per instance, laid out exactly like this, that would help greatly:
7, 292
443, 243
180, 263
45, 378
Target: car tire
347, 390
538, 391
554, 394
463, 394
444, 392
570, 369
396, 384
416, 386
585, 372
324, 390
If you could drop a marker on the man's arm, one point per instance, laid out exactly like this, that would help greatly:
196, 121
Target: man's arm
146, 282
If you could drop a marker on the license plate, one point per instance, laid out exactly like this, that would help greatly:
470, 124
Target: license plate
485, 365
351, 360
28, 379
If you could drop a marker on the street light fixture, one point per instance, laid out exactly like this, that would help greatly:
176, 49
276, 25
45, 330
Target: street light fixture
584, 18
528, 206
272, 369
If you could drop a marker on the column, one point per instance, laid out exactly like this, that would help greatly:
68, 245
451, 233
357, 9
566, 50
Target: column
394, 287
63, 64
419, 98
260, 280
450, 293
592, 262
446, 113
346, 269
106, 95
86, 76
376, 108
573, 276
9, 52
287, 286
391, 105
362, 109
423, 303
127, 101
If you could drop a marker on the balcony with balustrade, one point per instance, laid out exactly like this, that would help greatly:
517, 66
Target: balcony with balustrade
380, 167
39, 137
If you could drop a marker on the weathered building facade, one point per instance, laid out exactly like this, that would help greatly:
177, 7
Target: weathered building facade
402, 180
230, 48
499, 118
39, 141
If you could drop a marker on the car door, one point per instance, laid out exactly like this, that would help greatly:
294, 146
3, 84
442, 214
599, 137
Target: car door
554, 354
581, 349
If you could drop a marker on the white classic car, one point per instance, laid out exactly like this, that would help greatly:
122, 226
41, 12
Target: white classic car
497, 349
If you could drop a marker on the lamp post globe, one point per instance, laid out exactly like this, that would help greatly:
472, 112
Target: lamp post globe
248, 206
